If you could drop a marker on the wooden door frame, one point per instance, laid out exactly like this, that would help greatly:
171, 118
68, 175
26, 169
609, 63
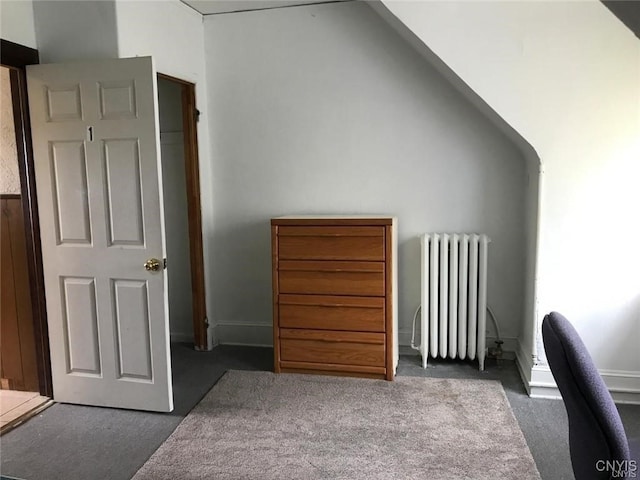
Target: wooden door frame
17, 57
192, 170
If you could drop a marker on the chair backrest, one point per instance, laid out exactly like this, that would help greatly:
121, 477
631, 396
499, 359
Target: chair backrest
596, 433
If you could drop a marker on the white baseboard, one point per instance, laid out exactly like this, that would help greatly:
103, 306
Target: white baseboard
624, 386
509, 345
404, 338
261, 335
538, 380
524, 362
188, 337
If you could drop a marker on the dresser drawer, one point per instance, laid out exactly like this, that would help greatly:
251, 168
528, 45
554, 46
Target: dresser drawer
334, 348
331, 278
324, 312
331, 243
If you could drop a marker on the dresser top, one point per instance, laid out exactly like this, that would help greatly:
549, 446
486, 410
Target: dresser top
334, 220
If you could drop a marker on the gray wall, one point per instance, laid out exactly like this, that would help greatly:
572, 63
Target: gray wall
175, 211
325, 109
72, 30
17, 24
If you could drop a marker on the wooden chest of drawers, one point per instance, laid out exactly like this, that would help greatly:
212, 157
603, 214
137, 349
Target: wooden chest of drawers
334, 295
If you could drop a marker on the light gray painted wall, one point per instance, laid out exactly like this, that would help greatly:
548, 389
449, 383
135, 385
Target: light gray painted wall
173, 33
325, 109
72, 30
566, 78
526, 337
175, 211
16, 22
169, 31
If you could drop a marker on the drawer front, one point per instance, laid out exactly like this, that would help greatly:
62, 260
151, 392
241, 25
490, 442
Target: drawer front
331, 278
331, 243
335, 348
323, 312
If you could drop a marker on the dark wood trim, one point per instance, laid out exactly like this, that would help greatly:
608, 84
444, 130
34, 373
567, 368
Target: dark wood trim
175, 80
313, 220
19, 358
276, 299
194, 212
192, 170
10, 196
18, 57
333, 373
388, 295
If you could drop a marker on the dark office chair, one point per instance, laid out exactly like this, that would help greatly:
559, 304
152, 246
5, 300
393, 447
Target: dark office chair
597, 441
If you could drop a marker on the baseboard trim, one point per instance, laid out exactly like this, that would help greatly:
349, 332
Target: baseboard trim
624, 386
538, 380
524, 362
509, 345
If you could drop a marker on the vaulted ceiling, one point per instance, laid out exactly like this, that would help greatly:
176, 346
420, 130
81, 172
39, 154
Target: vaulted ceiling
628, 11
214, 7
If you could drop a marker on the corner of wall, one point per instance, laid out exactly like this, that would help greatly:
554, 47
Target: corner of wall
527, 344
539, 382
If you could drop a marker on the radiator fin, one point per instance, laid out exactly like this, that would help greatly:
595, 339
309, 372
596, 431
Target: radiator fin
454, 296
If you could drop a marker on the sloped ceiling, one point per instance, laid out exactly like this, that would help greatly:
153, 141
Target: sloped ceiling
214, 7
628, 11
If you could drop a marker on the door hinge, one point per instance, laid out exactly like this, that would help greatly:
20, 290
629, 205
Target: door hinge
197, 114
164, 263
206, 322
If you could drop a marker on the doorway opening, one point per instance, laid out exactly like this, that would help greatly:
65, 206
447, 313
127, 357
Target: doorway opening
181, 188
25, 379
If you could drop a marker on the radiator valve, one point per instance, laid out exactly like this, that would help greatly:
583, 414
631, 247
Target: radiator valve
496, 352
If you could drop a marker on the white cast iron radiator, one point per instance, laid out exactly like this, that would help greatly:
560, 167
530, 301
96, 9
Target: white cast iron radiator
454, 296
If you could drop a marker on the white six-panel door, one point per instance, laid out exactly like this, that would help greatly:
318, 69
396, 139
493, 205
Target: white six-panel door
96, 151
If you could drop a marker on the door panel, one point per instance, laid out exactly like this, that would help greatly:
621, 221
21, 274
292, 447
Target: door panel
69, 183
124, 207
80, 323
96, 150
63, 102
132, 325
117, 100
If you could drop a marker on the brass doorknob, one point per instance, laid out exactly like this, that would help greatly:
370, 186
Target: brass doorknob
152, 265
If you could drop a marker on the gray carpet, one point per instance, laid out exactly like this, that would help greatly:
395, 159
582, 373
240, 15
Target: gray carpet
71, 442
258, 425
